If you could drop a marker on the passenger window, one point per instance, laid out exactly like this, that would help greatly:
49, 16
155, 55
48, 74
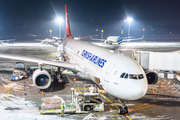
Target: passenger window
133, 76
140, 76
122, 75
126, 76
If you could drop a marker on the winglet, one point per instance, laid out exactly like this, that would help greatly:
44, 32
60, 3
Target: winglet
143, 37
68, 30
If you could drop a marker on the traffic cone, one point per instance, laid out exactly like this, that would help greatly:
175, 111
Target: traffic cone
42, 94
20, 88
152, 91
161, 86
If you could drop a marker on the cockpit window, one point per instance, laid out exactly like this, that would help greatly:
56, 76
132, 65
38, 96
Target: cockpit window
133, 76
140, 76
126, 76
122, 75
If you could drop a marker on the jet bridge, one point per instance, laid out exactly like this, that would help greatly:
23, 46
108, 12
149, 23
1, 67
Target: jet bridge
159, 61
167, 64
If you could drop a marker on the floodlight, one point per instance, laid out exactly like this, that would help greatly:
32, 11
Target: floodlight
129, 19
59, 20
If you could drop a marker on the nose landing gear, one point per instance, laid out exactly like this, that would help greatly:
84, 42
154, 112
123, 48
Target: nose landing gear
123, 109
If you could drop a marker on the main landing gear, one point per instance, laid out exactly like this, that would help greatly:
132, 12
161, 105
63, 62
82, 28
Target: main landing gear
123, 109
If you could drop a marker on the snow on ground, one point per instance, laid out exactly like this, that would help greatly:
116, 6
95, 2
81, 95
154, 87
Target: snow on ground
19, 109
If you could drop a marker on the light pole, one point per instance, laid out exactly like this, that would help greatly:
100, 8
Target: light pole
129, 19
59, 20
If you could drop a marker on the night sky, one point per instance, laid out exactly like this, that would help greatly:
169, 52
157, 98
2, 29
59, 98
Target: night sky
157, 17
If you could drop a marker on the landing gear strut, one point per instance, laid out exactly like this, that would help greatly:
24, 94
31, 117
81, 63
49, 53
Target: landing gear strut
123, 109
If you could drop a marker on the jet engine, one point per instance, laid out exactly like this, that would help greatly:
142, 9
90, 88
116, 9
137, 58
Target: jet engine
152, 76
41, 78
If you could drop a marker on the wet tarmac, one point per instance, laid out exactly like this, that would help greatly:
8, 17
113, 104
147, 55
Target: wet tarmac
158, 103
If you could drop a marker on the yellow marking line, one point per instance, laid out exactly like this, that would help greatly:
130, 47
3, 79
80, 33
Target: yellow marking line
98, 115
128, 117
112, 103
113, 115
118, 115
10, 85
7, 92
109, 100
141, 107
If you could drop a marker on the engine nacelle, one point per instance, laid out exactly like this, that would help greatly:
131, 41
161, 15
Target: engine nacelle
41, 79
152, 76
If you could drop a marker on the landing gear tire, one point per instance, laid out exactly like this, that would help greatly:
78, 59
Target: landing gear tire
123, 111
120, 110
87, 108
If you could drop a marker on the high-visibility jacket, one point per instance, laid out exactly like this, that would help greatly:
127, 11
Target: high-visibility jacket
62, 107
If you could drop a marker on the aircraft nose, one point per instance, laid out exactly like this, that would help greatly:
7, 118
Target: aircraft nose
139, 90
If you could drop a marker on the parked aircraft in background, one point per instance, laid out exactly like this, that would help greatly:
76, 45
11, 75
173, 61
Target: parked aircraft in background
118, 39
7, 41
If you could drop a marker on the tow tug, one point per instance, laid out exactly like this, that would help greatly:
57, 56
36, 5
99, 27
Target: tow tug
19, 72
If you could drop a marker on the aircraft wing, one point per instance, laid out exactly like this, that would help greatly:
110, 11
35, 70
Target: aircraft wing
58, 39
143, 46
39, 40
70, 66
87, 37
134, 39
97, 39
7, 40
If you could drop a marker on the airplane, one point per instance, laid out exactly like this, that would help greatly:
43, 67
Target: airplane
119, 75
7, 41
52, 40
117, 39
47, 40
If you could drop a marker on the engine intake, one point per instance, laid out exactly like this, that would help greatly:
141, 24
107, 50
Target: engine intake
42, 79
152, 76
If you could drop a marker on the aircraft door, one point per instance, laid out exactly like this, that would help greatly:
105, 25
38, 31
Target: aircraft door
106, 80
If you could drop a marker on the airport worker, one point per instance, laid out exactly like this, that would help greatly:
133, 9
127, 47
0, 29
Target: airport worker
62, 110
91, 89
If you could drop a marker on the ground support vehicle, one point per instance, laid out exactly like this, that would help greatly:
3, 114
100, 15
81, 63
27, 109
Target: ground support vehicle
19, 72
84, 99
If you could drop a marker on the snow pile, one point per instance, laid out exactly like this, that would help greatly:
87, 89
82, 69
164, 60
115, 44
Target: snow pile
26, 109
137, 117
15, 102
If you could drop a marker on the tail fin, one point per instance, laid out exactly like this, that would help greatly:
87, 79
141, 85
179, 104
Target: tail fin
122, 30
119, 39
68, 30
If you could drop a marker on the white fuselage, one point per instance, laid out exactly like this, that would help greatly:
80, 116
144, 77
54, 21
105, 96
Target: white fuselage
113, 39
98, 62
